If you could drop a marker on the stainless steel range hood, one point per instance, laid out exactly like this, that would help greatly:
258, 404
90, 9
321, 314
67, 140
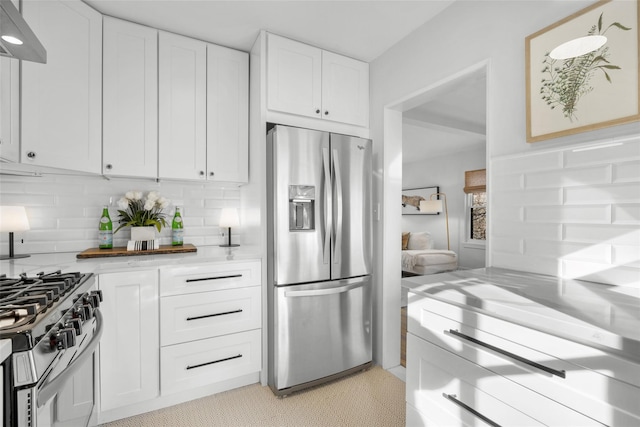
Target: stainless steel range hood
13, 25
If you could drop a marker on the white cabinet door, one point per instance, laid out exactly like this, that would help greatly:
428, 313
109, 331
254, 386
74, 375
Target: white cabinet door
130, 344
294, 77
182, 107
62, 99
130, 115
227, 114
345, 89
9, 110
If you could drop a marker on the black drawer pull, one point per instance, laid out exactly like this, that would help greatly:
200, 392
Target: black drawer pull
214, 314
233, 276
561, 374
453, 398
215, 361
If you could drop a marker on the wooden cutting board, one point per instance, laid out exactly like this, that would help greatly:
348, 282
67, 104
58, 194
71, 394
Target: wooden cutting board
122, 251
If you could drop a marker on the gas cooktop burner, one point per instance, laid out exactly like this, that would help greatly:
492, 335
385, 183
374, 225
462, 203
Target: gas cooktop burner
28, 301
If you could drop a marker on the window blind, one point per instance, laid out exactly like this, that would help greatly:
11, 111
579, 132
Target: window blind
475, 181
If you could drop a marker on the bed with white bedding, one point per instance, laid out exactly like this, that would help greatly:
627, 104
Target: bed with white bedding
419, 257
429, 261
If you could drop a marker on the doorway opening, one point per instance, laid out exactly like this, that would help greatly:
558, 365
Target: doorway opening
437, 133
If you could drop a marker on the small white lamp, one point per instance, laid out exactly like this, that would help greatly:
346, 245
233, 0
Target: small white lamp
229, 218
13, 218
432, 206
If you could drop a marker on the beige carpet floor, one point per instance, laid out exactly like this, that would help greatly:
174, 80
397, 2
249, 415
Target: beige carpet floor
374, 398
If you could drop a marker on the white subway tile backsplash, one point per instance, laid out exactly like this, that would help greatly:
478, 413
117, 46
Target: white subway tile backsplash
550, 266
508, 182
565, 214
603, 194
508, 213
64, 210
629, 150
570, 251
628, 255
592, 234
550, 196
626, 172
602, 273
533, 162
626, 214
529, 230
569, 177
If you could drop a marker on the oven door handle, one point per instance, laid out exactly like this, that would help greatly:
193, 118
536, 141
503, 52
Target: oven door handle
51, 387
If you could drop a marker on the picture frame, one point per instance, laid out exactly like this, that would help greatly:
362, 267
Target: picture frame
606, 94
411, 199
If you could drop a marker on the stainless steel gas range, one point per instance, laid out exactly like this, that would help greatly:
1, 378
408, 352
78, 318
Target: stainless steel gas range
54, 325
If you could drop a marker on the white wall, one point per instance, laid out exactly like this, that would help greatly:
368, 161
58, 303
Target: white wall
447, 172
465, 34
64, 210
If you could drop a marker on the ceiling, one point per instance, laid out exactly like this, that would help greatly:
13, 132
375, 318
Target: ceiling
358, 28
448, 119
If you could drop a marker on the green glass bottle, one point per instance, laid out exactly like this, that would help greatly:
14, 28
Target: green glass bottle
177, 232
105, 230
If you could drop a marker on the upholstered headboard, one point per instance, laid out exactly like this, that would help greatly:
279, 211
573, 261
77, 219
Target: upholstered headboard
416, 240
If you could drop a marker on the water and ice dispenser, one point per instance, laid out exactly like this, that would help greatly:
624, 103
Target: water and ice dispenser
302, 199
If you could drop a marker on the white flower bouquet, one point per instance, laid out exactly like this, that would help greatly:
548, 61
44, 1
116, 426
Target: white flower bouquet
138, 211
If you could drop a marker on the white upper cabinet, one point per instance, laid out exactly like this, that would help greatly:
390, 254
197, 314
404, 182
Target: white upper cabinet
9, 110
294, 77
227, 114
130, 104
61, 100
345, 89
182, 107
308, 81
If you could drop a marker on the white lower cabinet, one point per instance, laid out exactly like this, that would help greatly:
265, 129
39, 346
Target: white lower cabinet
469, 368
129, 347
211, 329
178, 333
203, 362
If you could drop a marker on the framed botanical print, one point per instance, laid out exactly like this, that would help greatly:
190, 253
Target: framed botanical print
582, 72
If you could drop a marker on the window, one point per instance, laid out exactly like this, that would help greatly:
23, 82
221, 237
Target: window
476, 205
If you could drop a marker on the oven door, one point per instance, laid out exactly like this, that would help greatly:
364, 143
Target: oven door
67, 396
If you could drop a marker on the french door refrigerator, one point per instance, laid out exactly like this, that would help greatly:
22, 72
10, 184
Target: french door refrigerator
319, 256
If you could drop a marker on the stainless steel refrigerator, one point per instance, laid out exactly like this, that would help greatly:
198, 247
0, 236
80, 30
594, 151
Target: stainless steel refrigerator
319, 256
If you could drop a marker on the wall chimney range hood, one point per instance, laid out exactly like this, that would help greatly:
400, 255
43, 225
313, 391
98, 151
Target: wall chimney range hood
16, 38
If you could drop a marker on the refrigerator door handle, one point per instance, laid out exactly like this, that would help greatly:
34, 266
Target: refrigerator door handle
327, 206
320, 292
337, 244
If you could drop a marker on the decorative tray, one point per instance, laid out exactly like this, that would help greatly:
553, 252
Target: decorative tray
122, 251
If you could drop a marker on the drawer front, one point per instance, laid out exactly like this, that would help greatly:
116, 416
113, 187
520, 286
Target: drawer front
211, 277
472, 336
444, 385
194, 364
191, 317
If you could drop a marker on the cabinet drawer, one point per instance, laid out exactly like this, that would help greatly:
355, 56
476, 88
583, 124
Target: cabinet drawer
199, 363
204, 315
442, 384
201, 278
583, 378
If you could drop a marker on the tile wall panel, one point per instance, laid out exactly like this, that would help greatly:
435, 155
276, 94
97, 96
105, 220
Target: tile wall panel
591, 231
552, 179
64, 210
626, 172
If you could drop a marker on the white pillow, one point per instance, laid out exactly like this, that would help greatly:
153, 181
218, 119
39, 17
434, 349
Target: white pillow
420, 240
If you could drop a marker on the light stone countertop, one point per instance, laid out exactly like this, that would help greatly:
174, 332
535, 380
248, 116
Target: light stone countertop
67, 261
599, 315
